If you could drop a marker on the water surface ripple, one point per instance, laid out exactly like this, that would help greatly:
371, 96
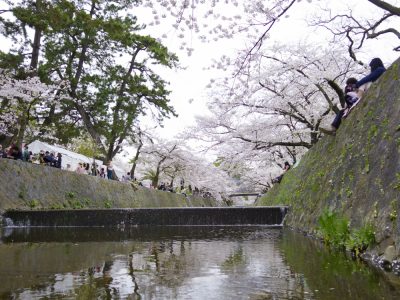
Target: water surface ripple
180, 263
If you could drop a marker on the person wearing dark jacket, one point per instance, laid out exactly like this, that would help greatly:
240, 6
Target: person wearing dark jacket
350, 97
377, 69
15, 153
58, 161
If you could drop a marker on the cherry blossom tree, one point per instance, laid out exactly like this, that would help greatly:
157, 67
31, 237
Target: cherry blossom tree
24, 104
159, 157
274, 115
140, 136
169, 161
254, 21
271, 107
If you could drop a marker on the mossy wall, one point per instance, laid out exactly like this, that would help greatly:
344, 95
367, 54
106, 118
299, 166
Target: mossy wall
29, 186
355, 173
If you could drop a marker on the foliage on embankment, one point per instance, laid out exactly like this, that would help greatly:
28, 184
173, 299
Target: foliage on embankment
356, 173
29, 186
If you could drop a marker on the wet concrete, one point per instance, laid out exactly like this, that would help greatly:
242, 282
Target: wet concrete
149, 216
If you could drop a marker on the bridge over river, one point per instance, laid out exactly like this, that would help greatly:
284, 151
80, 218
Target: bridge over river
246, 195
267, 215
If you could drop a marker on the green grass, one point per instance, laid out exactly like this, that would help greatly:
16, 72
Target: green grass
335, 231
33, 203
107, 204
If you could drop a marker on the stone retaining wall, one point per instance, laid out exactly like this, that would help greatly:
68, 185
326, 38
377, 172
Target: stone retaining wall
30, 186
355, 173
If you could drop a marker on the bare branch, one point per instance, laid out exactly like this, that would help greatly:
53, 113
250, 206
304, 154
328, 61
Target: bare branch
386, 6
389, 30
260, 40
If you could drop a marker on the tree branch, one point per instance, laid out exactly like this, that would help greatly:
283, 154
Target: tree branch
260, 40
386, 6
338, 90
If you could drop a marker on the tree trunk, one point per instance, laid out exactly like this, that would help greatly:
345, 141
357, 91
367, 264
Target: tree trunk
74, 85
109, 153
36, 41
135, 160
117, 137
21, 132
36, 49
23, 121
172, 182
91, 129
156, 177
314, 137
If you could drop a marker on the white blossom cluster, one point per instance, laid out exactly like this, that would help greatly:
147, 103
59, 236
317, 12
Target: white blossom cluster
23, 98
216, 19
273, 115
175, 161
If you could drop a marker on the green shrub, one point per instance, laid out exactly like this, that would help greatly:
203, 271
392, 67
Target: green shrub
76, 204
86, 202
33, 203
107, 204
57, 206
360, 239
333, 229
70, 195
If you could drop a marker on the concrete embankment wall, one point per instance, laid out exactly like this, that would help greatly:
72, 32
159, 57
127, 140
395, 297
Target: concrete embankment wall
205, 216
355, 173
29, 186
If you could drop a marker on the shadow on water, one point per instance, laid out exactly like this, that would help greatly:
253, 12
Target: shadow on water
179, 263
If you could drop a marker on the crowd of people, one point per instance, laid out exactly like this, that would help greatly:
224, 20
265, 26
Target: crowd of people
178, 189
14, 152
93, 169
182, 189
51, 159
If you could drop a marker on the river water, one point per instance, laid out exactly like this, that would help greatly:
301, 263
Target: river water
180, 263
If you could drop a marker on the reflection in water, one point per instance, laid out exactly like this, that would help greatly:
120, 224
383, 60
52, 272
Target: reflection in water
331, 276
179, 263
